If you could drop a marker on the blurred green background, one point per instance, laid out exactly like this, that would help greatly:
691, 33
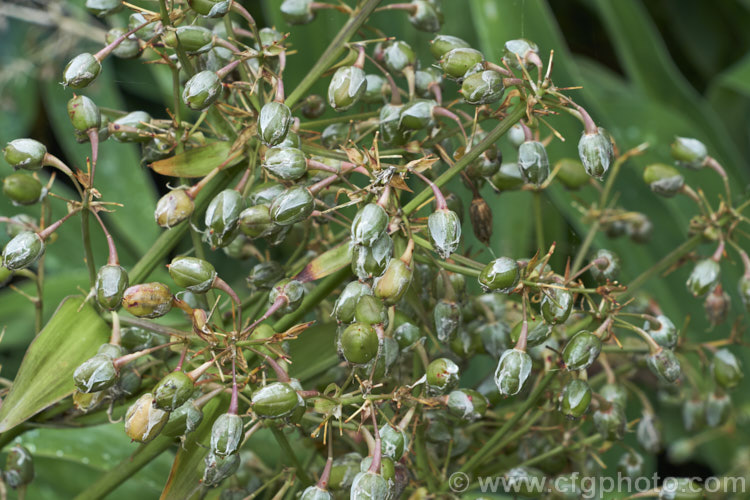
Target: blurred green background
649, 70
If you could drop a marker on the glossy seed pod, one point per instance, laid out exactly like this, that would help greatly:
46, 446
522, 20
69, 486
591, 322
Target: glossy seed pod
369, 486
201, 90
346, 303
376, 89
519, 49
135, 119
398, 56
467, 404
726, 369
533, 162
110, 285
665, 333
191, 38
614, 393
22, 189
81, 71
264, 193
556, 305
273, 122
129, 48
369, 224
393, 442
445, 231
313, 107
688, 152
371, 311
347, 87
442, 376
390, 117
500, 275
293, 290
517, 136
359, 343
210, 8
665, 365
143, 421
173, 208
608, 269
173, 391
256, 222
681, 488
27, 154
596, 153
704, 277
718, 409
456, 62
610, 422
343, 470
275, 400
19, 467
226, 434
194, 274
581, 350
219, 467
483, 87
426, 17
447, 316
101, 8
265, 274
512, 371
571, 173
648, 433
146, 32
222, 217
442, 44
147, 300
286, 163
630, 464
371, 261
575, 399
294, 205
507, 178
95, 374
417, 115
296, 12
394, 282
83, 113
183, 420
694, 414
22, 251
538, 332
335, 135
136, 339
663, 179
313, 493
495, 337
407, 334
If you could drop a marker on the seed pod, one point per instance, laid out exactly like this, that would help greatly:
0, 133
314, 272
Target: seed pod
111, 282
495, 337
226, 434
359, 343
507, 178
484, 87
517, 136
581, 350
347, 87
285, 163
81, 71
193, 274
717, 306
343, 470
680, 488
101, 8
445, 231
575, 399
630, 464
112, 351
649, 434
690, 153
264, 193
95, 374
425, 17
398, 56
294, 205
442, 44
596, 153
519, 49
726, 369
538, 332
615, 394
27, 154
393, 442
694, 414
442, 376
210, 8
143, 421
202, 90
512, 371
22, 189
22, 251
743, 288
371, 311
390, 117
718, 409
467, 404
191, 38
148, 31
136, 119
369, 486
222, 217
19, 467
663, 179
147, 300
346, 303
274, 122
335, 135
83, 113
265, 274
639, 228
173, 208
456, 62
394, 282
607, 267
256, 222
275, 400
425, 80
664, 365
448, 318
293, 290
183, 420
313, 493
173, 391
533, 162
406, 334
500, 275
417, 115
296, 12
129, 48
666, 334
556, 306
610, 422
704, 277
571, 173
369, 224
219, 467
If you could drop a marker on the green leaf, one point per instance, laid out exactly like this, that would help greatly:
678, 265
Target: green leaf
197, 162
46, 373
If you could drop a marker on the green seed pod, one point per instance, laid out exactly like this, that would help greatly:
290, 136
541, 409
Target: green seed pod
417, 115
297, 12
222, 217
507, 178
210, 8
368, 262
111, 282
95, 374
666, 334
129, 48
445, 231
335, 135
571, 173
202, 90
265, 274
664, 365
610, 422
20, 223
680, 488
376, 89
630, 464
313, 492
394, 282
694, 414
265, 193
717, 305
369, 486
538, 332
743, 288
19, 467
136, 339
22, 251
173, 391
274, 122
519, 49
442, 44
456, 62
448, 318
393, 442
533, 162
639, 228
581, 350
718, 409
275, 400
387, 468
183, 420
524, 481
294, 205
390, 117
346, 303
226, 434
256, 222
136, 119
556, 306
495, 337
426, 17
484, 87
173, 208
347, 87
615, 394
517, 136
191, 38
27, 154
285, 163
663, 179
313, 106
608, 268
143, 421
575, 399
398, 56
442, 376
596, 153
343, 470
193, 274
147, 300
406, 335
369, 224
467, 404
148, 31
512, 371
81, 71
690, 153
22, 189
293, 290
726, 369
704, 277
101, 8
370, 310
128, 383
648, 434
500, 275
83, 113
359, 343
219, 467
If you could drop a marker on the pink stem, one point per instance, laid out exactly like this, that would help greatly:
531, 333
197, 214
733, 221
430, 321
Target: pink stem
281, 374
440, 203
99, 56
113, 259
280, 301
395, 94
494, 67
376, 454
44, 234
440, 111
326, 474
360, 62
233, 404
719, 251
589, 126
124, 360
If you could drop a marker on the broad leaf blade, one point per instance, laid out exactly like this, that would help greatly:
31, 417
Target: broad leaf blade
197, 162
46, 373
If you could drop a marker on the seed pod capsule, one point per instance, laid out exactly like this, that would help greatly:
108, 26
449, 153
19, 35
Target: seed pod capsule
27, 154
596, 153
111, 282
556, 306
193, 274
442, 44
265, 275
173, 208
483, 87
538, 331
571, 173
575, 399
467, 404
183, 420
607, 266
664, 365
256, 222
222, 217
426, 17
369, 224
314, 492
648, 434
143, 421
458, 61
193, 39
704, 277
512, 371
359, 343
275, 400
398, 56
147, 300
371, 311
83, 113
394, 282
615, 394
663, 179
296, 12
129, 48
501, 276
294, 205
448, 318
665, 334
274, 122
442, 376
286, 163
226, 434
445, 231
22, 189
219, 467
293, 290
369, 486
581, 350
101, 8
81, 71
202, 90
22, 251
390, 117
610, 422
210, 8
347, 87
393, 442
19, 467
533, 162
173, 391
519, 49
690, 153
694, 414
95, 374
507, 178
726, 369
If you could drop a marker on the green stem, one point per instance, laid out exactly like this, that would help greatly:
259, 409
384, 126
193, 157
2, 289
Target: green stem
474, 273
423, 461
518, 434
560, 449
334, 51
460, 259
338, 119
284, 444
493, 136
584, 248
538, 221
